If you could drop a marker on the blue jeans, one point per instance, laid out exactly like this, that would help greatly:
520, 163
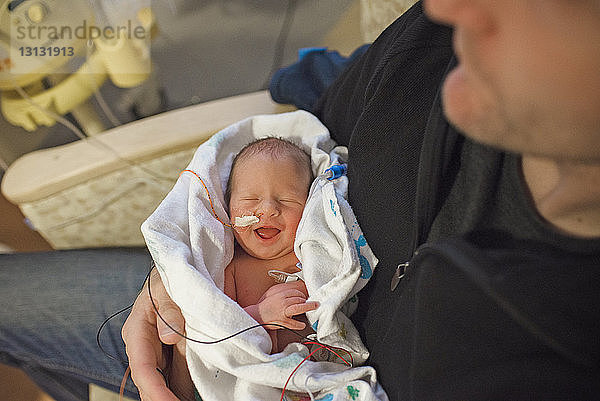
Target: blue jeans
52, 306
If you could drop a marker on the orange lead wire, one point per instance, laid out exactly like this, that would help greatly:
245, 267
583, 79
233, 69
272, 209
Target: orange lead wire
209, 198
122, 388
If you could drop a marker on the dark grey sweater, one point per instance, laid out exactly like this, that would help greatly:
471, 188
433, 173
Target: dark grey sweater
414, 179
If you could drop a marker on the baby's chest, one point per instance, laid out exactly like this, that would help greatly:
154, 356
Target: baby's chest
251, 284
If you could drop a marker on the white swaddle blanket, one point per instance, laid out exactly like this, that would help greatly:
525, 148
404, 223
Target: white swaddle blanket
191, 249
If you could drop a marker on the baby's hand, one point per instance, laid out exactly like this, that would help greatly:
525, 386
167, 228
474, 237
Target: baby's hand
295, 285
279, 306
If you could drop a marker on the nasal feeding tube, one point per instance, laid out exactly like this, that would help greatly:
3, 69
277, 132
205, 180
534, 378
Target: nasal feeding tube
243, 221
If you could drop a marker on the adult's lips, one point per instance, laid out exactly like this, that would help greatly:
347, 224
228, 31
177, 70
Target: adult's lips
267, 232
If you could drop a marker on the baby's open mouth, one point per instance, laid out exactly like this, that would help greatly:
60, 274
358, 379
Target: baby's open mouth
266, 232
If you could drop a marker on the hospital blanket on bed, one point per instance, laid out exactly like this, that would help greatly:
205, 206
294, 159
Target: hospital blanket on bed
191, 249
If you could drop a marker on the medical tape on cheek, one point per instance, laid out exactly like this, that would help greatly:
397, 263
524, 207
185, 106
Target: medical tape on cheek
245, 221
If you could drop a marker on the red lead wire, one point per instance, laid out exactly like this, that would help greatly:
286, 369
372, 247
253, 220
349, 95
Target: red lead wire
296, 368
321, 346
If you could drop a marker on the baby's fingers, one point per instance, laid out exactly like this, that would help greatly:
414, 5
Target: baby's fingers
300, 308
284, 287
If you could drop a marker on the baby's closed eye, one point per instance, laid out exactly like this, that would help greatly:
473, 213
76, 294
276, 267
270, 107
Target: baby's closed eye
290, 201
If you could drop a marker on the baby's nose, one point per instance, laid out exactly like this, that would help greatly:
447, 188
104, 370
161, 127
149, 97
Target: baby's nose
268, 207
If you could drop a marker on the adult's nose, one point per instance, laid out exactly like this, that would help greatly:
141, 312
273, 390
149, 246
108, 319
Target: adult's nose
474, 15
443, 11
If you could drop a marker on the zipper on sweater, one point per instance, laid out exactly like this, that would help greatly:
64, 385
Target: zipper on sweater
398, 275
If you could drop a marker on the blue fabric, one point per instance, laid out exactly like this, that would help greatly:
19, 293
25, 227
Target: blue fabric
52, 306
303, 82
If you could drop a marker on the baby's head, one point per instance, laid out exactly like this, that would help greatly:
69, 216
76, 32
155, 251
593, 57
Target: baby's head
270, 178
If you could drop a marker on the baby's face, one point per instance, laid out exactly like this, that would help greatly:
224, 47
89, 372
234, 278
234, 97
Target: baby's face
276, 191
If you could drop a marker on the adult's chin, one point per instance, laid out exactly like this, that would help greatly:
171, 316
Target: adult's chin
471, 106
456, 98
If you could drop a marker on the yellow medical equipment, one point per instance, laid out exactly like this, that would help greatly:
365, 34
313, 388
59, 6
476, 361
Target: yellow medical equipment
55, 54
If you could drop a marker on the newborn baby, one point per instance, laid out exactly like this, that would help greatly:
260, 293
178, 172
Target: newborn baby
266, 193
